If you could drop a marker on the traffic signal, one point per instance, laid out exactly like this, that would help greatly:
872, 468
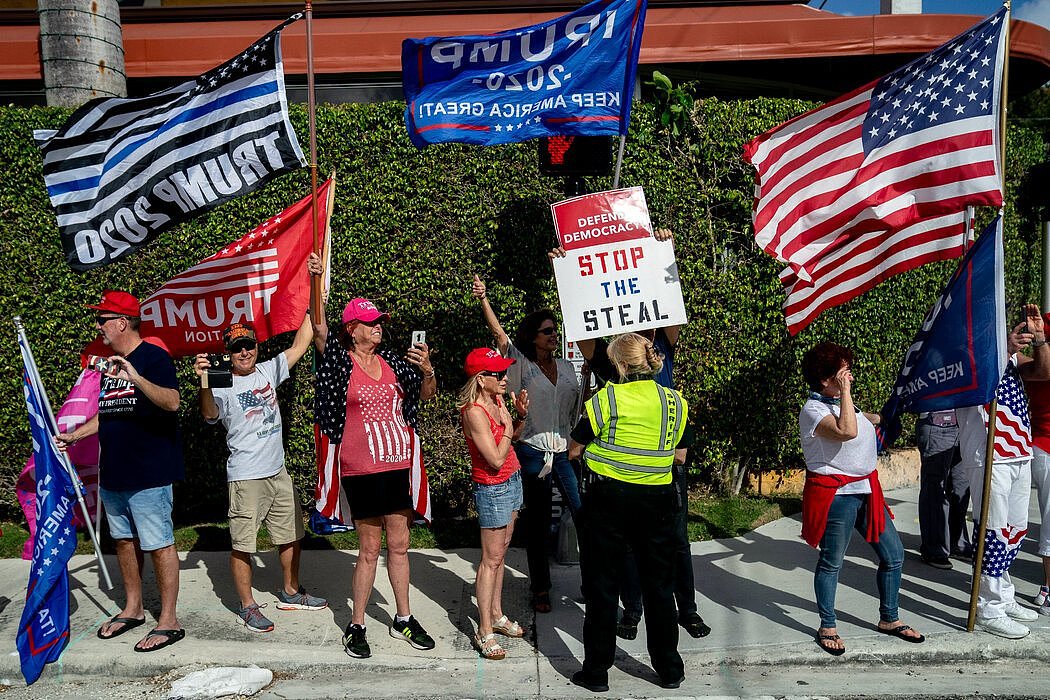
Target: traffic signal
575, 156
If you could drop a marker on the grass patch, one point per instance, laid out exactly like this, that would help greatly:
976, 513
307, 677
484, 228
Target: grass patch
709, 518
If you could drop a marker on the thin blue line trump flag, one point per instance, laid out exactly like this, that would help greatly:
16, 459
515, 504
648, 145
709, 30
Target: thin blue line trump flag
121, 171
571, 75
959, 355
44, 629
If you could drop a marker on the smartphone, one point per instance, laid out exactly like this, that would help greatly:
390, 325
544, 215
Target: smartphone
1024, 317
419, 338
219, 374
101, 364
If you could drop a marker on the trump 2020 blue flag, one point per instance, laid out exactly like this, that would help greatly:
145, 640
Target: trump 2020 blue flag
572, 75
44, 630
959, 354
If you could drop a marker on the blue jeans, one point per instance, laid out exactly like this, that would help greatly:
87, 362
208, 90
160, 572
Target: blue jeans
537, 513
846, 513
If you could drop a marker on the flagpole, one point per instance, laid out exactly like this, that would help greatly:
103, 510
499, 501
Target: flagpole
619, 162
63, 457
989, 449
315, 286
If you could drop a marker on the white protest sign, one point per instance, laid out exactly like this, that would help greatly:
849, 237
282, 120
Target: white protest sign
615, 277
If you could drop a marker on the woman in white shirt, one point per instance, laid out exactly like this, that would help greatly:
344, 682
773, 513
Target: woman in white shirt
842, 492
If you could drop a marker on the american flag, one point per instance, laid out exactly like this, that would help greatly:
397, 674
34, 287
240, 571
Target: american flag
255, 402
1001, 546
1013, 426
896, 155
122, 170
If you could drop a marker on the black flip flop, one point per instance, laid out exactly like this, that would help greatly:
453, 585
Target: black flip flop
541, 602
129, 623
821, 638
172, 637
899, 633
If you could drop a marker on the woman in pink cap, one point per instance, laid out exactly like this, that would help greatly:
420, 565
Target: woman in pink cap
367, 404
489, 429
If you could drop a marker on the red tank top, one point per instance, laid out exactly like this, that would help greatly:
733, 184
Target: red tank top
480, 471
375, 436
1039, 410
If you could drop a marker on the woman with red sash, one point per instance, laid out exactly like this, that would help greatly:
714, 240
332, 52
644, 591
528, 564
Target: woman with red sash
842, 492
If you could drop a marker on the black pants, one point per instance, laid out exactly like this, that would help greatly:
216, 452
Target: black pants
617, 515
684, 585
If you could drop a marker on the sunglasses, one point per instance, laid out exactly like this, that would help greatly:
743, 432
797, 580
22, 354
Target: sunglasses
547, 331
500, 376
244, 345
103, 320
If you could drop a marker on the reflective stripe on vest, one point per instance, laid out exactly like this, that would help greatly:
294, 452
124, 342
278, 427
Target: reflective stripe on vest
668, 414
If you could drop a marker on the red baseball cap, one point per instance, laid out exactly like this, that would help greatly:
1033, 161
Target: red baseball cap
117, 302
361, 309
485, 360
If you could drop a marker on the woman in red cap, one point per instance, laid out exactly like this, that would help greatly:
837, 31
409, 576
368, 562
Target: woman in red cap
367, 405
489, 429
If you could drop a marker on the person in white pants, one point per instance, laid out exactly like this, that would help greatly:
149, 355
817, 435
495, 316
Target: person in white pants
998, 612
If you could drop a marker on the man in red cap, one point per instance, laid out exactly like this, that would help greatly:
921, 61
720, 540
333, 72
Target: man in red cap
140, 458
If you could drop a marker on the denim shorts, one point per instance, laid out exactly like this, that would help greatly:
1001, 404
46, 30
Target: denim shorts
497, 503
143, 513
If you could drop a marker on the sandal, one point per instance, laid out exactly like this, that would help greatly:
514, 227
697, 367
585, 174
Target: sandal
489, 648
508, 628
899, 632
834, 651
541, 602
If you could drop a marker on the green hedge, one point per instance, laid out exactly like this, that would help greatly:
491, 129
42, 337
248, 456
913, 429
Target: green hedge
411, 228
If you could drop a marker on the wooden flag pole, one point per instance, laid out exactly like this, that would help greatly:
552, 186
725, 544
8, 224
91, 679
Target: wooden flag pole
989, 449
315, 283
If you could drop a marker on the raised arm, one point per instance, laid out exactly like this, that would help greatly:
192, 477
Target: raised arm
502, 339
1036, 368
209, 409
844, 427
318, 322
301, 343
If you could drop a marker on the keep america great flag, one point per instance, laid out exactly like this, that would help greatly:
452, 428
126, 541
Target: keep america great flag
121, 171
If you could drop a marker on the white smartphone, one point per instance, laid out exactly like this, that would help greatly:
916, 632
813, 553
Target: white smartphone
419, 338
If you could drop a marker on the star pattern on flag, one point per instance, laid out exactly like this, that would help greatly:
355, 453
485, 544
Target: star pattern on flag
952, 83
258, 57
1000, 549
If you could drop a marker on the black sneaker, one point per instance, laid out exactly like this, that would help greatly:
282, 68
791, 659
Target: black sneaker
354, 642
627, 627
584, 681
672, 683
938, 562
412, 632
694, 625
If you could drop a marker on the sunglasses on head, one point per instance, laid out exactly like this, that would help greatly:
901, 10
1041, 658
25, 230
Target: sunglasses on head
103, 320
500, 376
546, 331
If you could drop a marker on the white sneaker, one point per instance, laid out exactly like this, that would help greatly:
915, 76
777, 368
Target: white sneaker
1044, 609
1002, 627
1016, 612
1041, 596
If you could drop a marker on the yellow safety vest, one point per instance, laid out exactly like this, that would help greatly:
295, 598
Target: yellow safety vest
637, 425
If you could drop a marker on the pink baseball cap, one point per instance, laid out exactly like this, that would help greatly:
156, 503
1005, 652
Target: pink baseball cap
361, 309
485, 360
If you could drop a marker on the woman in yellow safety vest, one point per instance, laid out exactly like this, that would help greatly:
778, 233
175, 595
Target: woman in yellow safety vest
632, 434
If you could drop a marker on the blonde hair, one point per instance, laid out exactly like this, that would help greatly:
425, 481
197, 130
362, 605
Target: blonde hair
468, 393
631, 354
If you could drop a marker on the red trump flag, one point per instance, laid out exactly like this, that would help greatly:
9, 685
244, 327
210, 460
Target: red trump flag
917, 145
260, 278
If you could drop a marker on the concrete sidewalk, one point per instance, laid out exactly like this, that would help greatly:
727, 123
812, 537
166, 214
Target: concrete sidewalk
755, 591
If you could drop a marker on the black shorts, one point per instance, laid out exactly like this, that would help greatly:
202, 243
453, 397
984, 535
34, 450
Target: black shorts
376, 495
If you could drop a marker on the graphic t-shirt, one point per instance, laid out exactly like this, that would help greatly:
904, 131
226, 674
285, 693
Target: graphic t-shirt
252, 418
375, 435
140, 445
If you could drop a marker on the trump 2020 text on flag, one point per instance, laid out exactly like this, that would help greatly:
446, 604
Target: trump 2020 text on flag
959, 353
570, 75
260, 278
120, 171
920, 143
43, 631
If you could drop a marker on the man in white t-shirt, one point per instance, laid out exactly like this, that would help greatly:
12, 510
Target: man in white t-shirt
261, 491
998, 612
